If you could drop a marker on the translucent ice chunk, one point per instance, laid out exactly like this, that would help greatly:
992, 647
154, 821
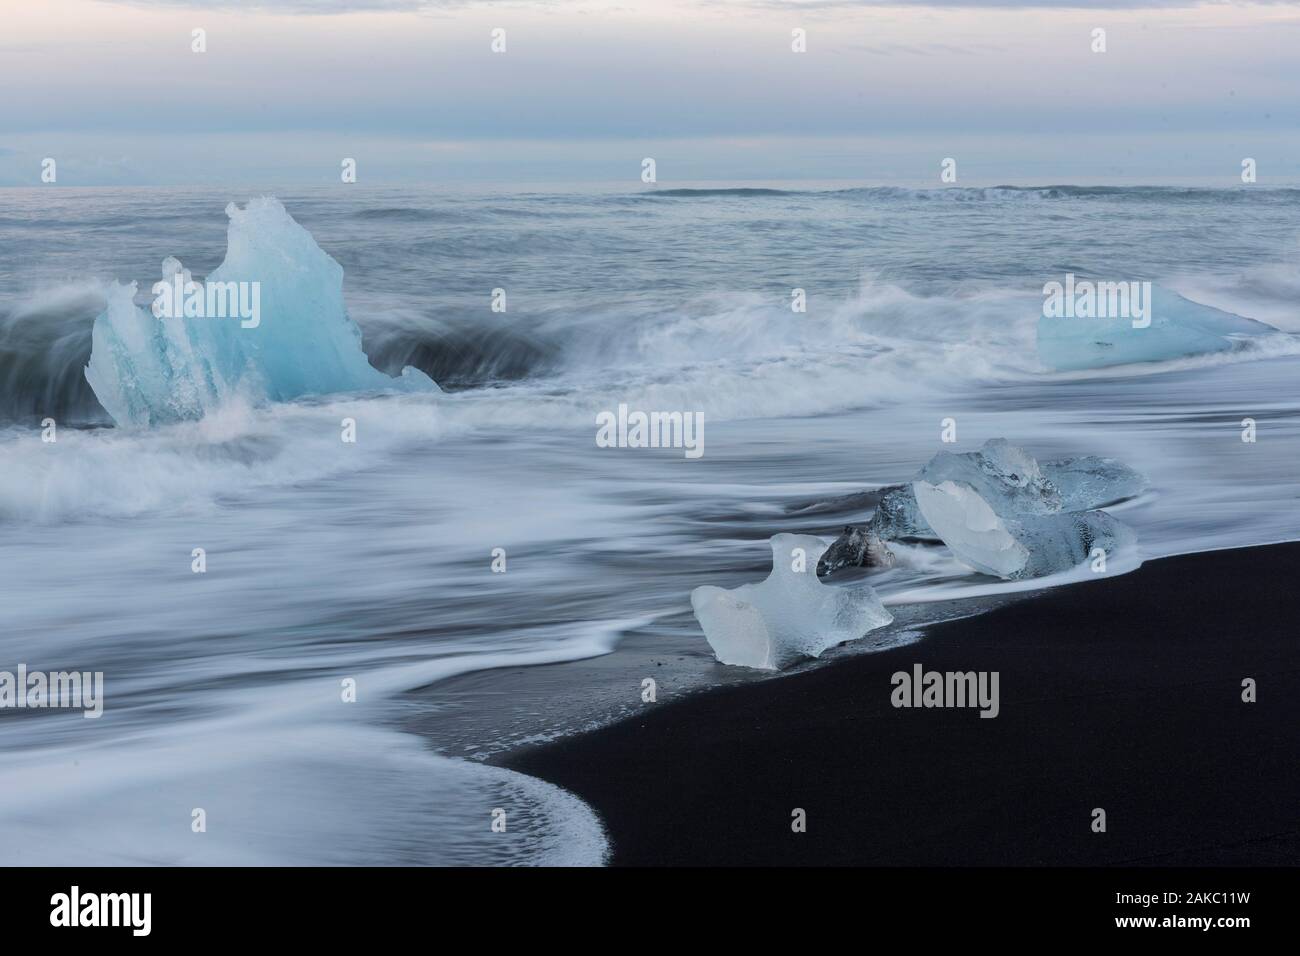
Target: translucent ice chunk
1004, 474
1027, 546
144, 370
148, 370
1012, 483
1178, 327
1091, 482
788, 616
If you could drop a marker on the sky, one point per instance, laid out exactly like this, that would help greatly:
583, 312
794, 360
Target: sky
585, 89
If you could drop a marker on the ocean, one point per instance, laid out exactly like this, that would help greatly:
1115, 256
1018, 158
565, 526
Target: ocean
369, 564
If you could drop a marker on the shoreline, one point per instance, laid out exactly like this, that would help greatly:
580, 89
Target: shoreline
1123, 693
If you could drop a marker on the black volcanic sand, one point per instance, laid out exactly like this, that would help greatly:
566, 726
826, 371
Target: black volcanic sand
1123, 693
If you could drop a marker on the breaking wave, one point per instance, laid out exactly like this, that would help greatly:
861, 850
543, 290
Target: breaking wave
729, 354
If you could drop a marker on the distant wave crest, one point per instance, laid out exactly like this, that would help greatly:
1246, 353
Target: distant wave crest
1002, 193
739, 191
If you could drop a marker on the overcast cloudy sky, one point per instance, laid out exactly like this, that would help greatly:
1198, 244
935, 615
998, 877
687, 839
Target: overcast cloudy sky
586, 88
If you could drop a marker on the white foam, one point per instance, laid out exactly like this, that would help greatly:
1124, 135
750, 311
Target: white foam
276, 766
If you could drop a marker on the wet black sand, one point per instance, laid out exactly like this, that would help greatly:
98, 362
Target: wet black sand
1123, 693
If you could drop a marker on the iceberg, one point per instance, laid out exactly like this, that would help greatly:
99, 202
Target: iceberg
1006, 479
1178, 328
788, 616
1012, 482
1026, 546
152, 370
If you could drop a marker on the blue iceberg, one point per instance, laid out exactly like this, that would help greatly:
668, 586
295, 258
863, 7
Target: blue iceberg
1177, 328
280, 330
